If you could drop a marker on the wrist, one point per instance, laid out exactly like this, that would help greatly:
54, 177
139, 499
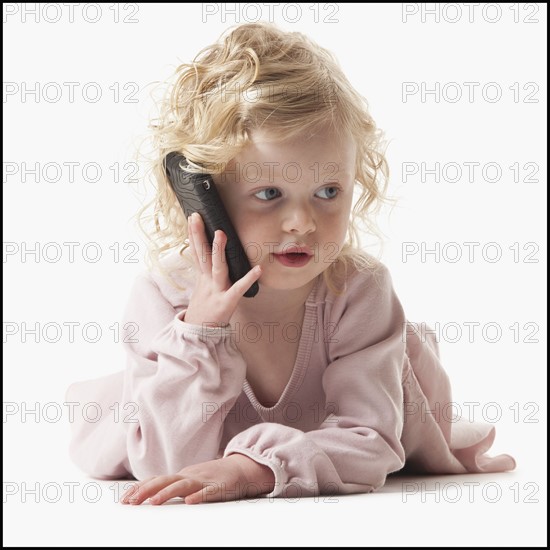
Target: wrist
190, 319
254, 472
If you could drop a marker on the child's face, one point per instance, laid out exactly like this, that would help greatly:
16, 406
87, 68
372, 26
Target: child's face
293, 192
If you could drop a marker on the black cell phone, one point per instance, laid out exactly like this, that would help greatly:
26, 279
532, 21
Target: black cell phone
198, 193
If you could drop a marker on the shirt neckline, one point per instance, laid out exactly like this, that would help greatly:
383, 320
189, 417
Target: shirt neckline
309, 328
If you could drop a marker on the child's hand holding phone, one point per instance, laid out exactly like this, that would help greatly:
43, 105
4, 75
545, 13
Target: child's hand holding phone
215, 297
224, 272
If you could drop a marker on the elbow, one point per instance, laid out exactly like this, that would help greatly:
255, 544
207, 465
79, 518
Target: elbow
150, 455
376, 474
96, 465
146, 458
387, 459
99, 449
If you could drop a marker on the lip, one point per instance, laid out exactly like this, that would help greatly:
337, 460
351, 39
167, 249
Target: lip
293, 260
295, 248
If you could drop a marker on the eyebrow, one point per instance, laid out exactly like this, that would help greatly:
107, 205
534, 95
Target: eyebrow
290, 184
316, 179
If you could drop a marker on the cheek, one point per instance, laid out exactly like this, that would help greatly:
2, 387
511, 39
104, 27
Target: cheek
336, 224
249, 230
335, 233
244, 223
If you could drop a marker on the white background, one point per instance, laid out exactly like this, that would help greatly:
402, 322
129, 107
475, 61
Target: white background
379, 48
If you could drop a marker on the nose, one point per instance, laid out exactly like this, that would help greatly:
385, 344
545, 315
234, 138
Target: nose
299, 219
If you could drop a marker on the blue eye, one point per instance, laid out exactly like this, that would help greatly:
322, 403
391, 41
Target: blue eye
264, 190
271, 193
331, 189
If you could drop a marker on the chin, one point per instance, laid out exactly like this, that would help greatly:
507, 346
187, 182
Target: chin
287, 283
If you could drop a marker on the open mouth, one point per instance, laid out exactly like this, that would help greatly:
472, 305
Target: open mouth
293, 259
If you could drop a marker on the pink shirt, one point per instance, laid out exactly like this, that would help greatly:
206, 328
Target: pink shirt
353, 411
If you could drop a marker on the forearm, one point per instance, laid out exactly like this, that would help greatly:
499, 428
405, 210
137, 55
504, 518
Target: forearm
182, 398
324, 461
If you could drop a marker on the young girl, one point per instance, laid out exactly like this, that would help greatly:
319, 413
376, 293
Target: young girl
316, 385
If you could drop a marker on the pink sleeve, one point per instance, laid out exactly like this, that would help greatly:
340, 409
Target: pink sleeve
358, 443
175, 371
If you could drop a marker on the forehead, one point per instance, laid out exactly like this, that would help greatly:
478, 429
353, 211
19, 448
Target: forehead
322, 148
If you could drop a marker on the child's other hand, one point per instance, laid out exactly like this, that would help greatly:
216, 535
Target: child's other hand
231, 478
215, 298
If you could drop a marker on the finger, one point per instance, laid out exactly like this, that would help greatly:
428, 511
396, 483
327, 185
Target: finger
129, 492
219, 262
243, 284
180, 488
198, 243
210, 493
148, 488
202, 245
192, 250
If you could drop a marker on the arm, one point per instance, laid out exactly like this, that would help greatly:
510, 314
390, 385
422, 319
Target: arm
357, 446
174, 369
229, 478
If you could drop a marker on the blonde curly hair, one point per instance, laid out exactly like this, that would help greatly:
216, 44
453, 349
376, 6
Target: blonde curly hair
255, 76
